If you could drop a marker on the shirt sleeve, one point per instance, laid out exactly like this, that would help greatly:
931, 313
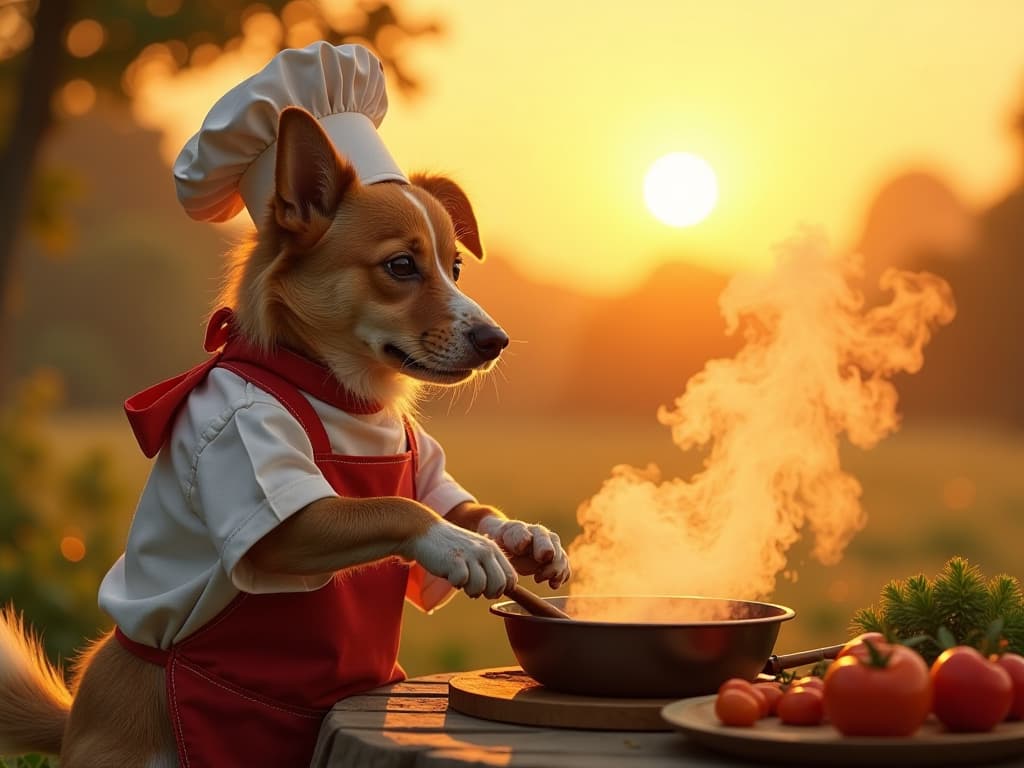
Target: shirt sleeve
249, 476
439, 491
434, 486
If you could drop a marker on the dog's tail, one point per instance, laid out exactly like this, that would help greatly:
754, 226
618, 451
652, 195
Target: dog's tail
34, 700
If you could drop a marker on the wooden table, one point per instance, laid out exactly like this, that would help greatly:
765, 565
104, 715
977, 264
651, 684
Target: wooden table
408, 725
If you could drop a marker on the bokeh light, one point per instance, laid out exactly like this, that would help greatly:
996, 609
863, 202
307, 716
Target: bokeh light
163, 8
959, 493
72, 548
77, 97
204, 55
839, 591
85, 38
15, 31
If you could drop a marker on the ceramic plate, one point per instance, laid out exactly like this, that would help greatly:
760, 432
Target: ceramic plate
769, 741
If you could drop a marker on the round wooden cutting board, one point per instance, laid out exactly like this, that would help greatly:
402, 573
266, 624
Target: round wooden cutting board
509, 695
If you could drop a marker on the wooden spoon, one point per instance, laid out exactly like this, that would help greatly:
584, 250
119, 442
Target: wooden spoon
534, 605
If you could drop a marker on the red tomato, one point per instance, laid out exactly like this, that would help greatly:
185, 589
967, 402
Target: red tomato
739, 684
971, 692
808, 682
801, 706
772, 692
857, 643
866, 700
1014, 664
737, 707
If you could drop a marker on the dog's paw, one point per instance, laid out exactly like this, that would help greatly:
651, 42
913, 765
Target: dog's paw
533, 548
469, 561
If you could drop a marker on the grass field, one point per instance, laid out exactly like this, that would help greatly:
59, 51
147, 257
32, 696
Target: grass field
929, 494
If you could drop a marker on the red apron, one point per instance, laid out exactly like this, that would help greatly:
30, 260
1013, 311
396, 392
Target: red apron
251, 687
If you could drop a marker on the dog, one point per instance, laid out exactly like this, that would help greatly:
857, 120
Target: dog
362, 281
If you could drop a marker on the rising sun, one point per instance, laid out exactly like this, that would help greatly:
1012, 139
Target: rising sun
680, 189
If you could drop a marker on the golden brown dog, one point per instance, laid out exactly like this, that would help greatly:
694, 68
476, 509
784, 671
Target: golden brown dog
363, 279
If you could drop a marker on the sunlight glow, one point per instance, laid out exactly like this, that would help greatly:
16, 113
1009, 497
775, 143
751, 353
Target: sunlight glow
680, 189
809, 164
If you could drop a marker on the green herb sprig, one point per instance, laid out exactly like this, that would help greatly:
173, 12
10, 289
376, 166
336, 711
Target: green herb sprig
958, 599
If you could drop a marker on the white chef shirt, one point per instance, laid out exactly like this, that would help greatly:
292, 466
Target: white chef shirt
236, 465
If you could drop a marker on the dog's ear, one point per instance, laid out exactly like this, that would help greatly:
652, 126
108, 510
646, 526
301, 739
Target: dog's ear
454, 200
310, 179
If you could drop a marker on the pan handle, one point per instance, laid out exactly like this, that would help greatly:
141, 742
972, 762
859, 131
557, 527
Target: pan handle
776, 664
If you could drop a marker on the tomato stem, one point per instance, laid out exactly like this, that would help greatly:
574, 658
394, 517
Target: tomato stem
875, 656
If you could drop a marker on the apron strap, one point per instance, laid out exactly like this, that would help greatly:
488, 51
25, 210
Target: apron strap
413, 448
290, 397
152, 411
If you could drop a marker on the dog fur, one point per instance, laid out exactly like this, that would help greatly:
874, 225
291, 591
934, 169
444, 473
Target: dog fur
321, 278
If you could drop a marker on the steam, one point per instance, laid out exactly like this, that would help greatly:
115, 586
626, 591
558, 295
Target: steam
816, 366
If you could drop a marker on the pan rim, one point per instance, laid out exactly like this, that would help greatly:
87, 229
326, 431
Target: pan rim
785, 613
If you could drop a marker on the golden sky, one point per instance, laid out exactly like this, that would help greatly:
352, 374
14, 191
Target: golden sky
550, 112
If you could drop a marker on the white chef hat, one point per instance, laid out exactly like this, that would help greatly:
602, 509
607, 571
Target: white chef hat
231, 160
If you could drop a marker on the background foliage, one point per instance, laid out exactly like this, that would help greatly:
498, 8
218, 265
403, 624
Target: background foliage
60, 521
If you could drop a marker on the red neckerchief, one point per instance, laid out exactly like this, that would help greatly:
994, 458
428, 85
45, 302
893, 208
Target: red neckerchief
152, 411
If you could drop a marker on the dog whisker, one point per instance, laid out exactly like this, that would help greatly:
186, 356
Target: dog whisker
499, 369
455, 396
470, 387
497, 392
476, 392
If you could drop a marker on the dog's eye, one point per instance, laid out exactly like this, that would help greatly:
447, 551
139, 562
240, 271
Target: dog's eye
401, 267
457, 269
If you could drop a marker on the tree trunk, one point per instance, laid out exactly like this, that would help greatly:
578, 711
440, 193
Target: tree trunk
32, 117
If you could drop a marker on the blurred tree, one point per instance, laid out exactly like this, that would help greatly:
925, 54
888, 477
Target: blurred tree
56, 55
974, 368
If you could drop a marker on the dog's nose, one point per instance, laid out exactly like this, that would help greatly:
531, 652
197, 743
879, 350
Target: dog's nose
488, 340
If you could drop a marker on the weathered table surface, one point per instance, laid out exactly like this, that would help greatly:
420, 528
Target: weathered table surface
408, 725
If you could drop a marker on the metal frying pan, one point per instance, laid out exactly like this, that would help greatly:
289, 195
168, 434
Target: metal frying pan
657, 647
